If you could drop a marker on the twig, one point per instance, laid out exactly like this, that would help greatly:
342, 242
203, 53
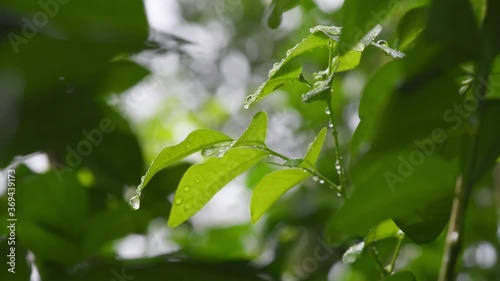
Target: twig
454, 237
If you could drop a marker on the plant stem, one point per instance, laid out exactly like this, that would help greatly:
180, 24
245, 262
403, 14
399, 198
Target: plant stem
310, 171
390, 269
372, 250
466, 181
453, 238
339, 165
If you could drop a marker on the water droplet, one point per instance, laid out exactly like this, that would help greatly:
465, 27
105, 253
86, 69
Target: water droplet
337, 167
330, 124
143, 178
327, 111
197, 181
454, 237
289, 52
383, 43
321, 181
207, 152
178, 200
319, 85
188, 206
315, 178
339, 195
218, 150
135, 202
187, 188
61, 78
276, 67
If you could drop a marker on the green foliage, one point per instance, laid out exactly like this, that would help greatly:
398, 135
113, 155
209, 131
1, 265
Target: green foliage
273, 185
427, 135
275, 10
194, 142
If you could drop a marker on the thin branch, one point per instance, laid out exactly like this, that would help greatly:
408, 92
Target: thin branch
391, 266
310, 171
454, 237
339, 164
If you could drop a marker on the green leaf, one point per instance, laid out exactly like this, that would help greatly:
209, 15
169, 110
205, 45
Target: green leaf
52, 221
460, 19
493, 91
383, 230
490, 29
479, 7
91, 20
119, 76
486, 146
404, 184
314, 150
402, 276
275, 10
418, 144
347, 61
256, 132
389, 108
411, 26
271, 187
283, 72
202, 181
194, 142
360, 17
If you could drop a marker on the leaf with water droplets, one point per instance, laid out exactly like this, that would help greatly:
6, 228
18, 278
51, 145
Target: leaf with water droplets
314, 150
362, 16
206, 179
217, 150
285, 72
271, 187
194, 142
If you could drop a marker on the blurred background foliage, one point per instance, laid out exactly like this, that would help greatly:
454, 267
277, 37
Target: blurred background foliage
158, 70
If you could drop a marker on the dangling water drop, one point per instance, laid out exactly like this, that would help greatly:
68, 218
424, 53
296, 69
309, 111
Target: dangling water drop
327, 111
321, 181
383, 43
135, 202
207, 152
330, 124
315, 178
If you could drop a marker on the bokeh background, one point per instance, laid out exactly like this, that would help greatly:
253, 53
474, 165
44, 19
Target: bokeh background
157, 71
